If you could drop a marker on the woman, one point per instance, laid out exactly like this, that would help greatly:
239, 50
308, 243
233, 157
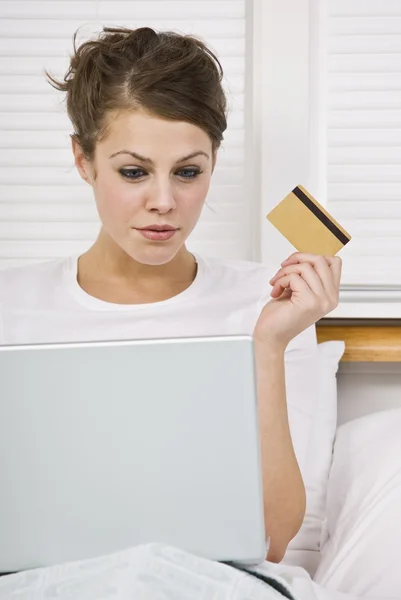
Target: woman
148, 112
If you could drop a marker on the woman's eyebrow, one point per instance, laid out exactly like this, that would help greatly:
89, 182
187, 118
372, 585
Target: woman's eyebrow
197, 153
149, 161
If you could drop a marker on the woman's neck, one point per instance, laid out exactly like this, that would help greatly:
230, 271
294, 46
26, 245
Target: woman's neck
111, 275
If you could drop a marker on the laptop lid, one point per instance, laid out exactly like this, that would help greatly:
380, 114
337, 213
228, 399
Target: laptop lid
108, 445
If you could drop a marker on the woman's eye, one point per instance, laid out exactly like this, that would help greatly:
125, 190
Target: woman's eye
188, 173
132, 173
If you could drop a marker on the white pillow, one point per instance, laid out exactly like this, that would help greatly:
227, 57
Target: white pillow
312, 404
362, 554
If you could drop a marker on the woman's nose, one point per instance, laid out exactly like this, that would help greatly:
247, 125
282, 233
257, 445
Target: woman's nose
161, 197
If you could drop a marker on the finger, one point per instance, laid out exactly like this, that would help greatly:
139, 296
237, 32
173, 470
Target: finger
298, 257
292, 259
336, 265
307, 272
284, 295
325, 274
328, 268
293, 282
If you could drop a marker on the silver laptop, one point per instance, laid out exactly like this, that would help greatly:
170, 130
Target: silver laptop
108, 445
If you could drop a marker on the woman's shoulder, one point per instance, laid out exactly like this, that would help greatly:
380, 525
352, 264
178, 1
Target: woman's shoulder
249, 281
238, 268
246, 279
23, 282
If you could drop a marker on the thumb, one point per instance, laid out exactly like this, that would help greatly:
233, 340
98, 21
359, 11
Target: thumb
281, 294
292, 282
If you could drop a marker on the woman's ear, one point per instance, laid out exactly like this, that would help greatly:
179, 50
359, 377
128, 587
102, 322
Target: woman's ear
81, 162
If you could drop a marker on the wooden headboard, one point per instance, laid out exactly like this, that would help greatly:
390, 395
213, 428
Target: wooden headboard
366, 340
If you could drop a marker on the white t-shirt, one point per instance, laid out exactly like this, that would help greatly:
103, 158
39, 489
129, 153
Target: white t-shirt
44, 303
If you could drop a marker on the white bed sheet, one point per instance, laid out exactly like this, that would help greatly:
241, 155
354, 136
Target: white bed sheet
307, 559
158, 572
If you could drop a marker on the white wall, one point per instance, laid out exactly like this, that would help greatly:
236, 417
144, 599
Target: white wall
282, 104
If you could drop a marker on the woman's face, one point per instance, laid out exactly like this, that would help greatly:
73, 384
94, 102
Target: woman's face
149, 172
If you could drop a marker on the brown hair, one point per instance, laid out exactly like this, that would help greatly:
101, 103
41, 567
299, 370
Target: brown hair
170, 75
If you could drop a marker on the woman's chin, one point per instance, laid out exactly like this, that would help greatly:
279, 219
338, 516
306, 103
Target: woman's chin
154, 255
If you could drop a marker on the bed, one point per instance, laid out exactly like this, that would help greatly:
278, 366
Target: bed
361, 540
369, 377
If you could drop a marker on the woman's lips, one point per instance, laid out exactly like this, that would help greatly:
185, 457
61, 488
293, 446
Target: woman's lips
160, 236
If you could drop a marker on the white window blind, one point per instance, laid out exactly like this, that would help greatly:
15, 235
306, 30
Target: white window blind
364, 140
46, 210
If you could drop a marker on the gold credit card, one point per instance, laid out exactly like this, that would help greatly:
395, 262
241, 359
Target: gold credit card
307, 225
